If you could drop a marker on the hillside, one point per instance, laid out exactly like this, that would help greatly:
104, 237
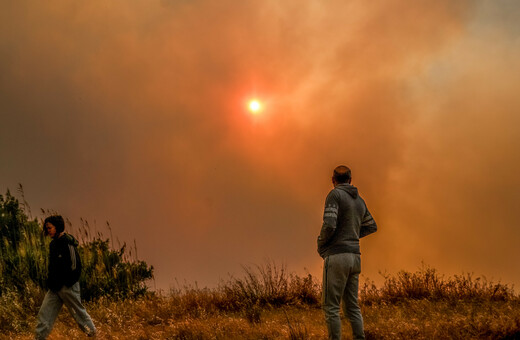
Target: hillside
266, 302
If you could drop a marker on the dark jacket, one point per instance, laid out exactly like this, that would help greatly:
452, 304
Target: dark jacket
346, 219
64, 262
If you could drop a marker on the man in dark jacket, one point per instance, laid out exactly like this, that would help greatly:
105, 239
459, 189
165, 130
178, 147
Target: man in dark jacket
64, 273
346, 219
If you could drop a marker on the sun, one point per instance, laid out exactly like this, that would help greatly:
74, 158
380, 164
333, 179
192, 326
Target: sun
254, 106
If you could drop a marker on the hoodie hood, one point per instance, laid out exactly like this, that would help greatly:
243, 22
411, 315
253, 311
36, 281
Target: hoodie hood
350, 189
70, 239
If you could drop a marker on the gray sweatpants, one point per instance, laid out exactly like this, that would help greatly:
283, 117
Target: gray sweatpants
340, 281
51, 306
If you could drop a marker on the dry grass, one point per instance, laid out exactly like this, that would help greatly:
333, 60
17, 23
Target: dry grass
426, 283
424, 319
268, 303
151, 318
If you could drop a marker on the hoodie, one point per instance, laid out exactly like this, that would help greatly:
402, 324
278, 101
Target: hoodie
346, 219
64, 262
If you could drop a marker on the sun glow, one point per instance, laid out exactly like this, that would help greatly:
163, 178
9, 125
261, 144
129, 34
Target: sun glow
254, 106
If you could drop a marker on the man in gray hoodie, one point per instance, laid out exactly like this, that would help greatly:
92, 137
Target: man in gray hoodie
346, 219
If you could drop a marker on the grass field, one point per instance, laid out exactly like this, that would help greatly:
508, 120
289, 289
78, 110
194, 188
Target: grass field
269, 303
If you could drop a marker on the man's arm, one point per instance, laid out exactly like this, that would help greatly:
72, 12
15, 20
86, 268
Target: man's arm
330, 218
368, 225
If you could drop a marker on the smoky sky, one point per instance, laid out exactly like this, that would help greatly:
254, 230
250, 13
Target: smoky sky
134, 112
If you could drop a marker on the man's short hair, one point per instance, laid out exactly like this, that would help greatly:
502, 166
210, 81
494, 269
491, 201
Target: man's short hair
57, 221
342, 174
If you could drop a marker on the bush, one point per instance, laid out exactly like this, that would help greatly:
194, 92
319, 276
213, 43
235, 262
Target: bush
264, 287
268, 285
23, 248
426, 283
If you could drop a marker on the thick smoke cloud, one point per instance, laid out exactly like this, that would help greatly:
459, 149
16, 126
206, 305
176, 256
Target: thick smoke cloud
133, 112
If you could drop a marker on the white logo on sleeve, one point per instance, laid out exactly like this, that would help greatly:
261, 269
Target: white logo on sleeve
331, 211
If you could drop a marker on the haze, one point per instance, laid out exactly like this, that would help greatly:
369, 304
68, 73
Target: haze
135, 112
